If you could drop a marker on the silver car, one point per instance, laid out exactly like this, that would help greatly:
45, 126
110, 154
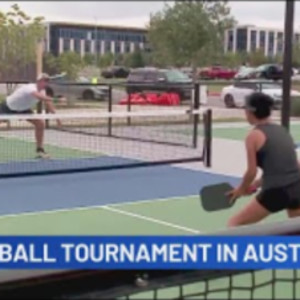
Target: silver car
81, 88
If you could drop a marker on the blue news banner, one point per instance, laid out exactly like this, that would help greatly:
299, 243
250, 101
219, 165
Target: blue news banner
154, 252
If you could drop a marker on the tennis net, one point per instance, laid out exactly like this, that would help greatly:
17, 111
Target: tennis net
102, 141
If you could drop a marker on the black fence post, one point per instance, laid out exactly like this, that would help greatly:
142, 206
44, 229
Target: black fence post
196, 106
287, 63
110, 106
208, 138
128, 107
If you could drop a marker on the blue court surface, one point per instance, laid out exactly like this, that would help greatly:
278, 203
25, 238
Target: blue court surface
145, 200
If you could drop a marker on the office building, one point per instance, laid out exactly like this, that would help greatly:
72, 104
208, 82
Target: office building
250, 38
92, 38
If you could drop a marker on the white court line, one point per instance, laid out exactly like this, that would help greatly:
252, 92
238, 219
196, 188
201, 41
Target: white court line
152, 220
152, 200
112, 209
54, 211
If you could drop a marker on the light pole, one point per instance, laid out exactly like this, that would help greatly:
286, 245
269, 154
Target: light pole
96, 42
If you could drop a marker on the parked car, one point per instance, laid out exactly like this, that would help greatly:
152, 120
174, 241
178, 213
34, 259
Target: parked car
295, 71
187, 71
115, 72
153, 79
60, 85
245, 73
268, 71
234, 95
217, 72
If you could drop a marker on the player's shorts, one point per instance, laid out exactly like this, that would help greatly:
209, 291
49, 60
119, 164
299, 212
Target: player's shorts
277, 199
5, 110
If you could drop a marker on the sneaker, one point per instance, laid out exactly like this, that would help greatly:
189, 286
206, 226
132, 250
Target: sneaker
42, 155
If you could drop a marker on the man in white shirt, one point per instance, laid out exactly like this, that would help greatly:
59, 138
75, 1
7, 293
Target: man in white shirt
22, 101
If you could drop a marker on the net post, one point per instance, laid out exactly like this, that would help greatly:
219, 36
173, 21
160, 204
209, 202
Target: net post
207, 137
110, 109
196, 116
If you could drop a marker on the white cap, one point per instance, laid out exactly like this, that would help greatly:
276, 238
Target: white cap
43, 76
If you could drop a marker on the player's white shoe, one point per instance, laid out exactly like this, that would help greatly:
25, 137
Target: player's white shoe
42, 155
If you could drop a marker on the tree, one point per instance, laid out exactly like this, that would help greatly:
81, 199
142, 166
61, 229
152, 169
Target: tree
70, 63
119, 59
89, 59
148, 58
296, 55
188, 32
137, 59
19, 36
231, 60
106, 60
257, 58
50, 63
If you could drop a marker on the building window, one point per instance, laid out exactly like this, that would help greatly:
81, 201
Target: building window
262, 40
98, 46
87, 46
271, 44
66, 45
72, 33
117, 47
107, 36
280, 42
253, 40
90, 35
137, 46
119, 36
80, 34
107, 46
65, 33
241, 40
77, 46
127, 47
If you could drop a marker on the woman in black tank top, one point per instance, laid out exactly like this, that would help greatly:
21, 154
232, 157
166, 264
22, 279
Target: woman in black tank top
270, 148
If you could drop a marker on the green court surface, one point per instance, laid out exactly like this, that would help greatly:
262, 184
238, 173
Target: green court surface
240, 133
173, 216
18, 149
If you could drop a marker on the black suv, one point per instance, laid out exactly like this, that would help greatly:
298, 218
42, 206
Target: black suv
115, 72
269, 71
160, 80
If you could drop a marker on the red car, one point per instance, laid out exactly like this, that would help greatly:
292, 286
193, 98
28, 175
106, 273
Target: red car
217, 72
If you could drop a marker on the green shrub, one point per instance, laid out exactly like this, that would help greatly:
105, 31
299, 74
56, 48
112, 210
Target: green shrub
295, 106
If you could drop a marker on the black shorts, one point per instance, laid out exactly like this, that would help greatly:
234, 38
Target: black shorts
282, 198
5, 110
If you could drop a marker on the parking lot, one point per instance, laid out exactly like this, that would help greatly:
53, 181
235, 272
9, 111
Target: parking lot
213, 101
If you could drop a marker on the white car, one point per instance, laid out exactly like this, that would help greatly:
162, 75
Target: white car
234, 95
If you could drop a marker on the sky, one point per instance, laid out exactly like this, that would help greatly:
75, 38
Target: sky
136, 13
